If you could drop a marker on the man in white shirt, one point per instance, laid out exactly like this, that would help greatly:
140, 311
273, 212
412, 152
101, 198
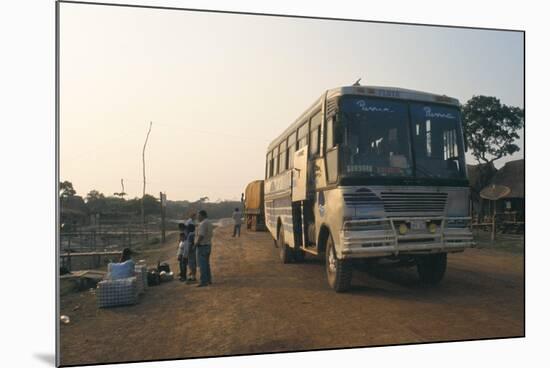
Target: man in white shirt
237, 220
203, 241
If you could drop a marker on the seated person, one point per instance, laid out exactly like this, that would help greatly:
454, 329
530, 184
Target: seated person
125, 268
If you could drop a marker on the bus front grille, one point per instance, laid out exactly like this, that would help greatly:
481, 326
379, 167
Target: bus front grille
360, 198
414, 202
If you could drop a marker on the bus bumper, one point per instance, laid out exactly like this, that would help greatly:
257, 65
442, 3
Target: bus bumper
381, 237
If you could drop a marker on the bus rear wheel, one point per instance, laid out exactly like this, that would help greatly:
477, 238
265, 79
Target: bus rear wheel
339, 271
431, 268
285, 253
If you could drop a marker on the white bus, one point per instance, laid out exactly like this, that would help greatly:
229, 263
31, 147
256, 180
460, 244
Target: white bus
370, 173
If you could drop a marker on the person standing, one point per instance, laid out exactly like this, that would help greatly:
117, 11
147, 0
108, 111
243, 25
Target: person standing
204, 247
238, 221
191, 252
182, 257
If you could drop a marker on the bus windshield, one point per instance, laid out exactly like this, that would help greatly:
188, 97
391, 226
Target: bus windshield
376, 137
438, 146
381, 135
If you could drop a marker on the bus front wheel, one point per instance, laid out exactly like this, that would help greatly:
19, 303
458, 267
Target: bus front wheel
339, 271
431, 268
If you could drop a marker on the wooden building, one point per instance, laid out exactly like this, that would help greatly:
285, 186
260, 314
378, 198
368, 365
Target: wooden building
479, 176
512, 175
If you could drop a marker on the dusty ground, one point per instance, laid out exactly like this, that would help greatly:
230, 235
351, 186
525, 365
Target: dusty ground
257, 304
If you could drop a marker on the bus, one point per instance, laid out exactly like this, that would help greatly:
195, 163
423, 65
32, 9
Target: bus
370, 173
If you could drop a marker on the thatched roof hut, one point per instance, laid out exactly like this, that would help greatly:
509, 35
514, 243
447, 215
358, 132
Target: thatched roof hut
512, 175
479, 176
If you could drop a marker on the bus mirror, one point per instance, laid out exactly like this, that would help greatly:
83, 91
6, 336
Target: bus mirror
465, 143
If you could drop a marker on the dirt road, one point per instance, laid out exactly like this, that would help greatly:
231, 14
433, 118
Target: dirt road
256, 304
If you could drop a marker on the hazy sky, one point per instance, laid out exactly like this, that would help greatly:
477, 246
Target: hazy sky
220, 87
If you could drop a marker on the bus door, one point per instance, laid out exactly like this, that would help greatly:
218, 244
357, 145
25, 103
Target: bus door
299, 175
299, 195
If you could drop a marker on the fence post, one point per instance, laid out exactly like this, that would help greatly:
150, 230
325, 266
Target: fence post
69, 259
494, 228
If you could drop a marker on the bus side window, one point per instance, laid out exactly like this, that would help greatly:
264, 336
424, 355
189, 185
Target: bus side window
302, 135
315, 134
267, 161
270, 164
291, 148
276, 161
329, 134
331, 157
282, 157
314, 146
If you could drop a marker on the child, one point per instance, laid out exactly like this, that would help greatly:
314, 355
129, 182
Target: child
181, 250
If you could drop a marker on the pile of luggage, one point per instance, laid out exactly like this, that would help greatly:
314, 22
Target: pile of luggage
159, 274
114, 291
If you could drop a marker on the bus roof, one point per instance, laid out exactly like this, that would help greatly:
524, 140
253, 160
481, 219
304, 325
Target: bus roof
374, 91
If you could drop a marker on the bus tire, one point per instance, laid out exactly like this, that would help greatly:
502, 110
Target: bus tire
299, 255
285, 253
339, 271
431, 268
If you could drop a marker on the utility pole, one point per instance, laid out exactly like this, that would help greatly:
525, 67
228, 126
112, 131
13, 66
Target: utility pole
123, 193
144, 182
163, 216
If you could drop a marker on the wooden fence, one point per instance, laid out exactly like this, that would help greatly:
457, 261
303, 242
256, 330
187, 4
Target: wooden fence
501, 223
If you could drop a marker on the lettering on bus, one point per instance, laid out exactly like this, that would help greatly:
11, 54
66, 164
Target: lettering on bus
387, 93
363, 106
430, 114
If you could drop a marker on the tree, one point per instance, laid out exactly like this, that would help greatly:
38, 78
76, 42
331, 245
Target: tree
66, 189
491, 128
95, 201
122, 193
151, 205
94, 195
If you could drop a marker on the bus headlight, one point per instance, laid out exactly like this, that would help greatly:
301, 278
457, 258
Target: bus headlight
403, 229
432, 228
